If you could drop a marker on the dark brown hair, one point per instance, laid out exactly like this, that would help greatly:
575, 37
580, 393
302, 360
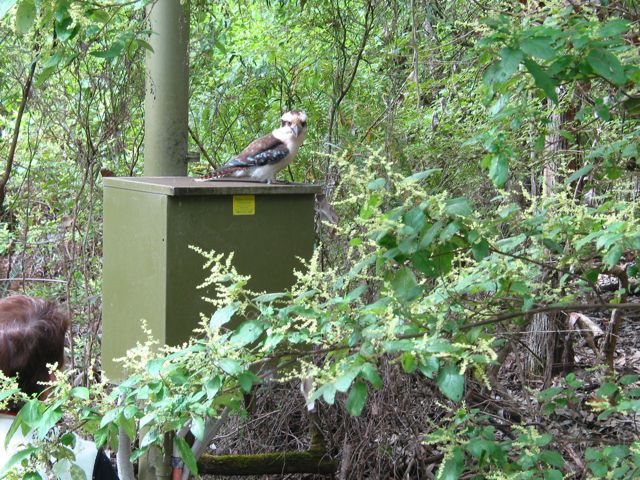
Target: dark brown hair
32, 334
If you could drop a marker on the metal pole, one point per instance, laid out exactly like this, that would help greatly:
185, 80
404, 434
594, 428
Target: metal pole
167, 89
166, 130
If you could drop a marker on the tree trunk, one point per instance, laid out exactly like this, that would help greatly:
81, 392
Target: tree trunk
548, 351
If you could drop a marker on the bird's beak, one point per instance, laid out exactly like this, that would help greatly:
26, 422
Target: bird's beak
296, 129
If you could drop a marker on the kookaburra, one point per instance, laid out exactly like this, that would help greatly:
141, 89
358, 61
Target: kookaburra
263, 158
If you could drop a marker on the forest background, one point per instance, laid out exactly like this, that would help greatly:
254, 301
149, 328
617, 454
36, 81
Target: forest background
480, 163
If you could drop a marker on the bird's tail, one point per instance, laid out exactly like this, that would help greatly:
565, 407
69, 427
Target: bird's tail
220, 173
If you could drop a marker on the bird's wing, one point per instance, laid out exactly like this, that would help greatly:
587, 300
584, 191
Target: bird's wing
263, 151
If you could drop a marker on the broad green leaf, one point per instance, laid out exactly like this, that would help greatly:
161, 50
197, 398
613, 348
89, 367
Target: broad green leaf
128, 425
458, 206
492, 74
629, 379
450, 230
435, 265
272, 341
632, 107
50, 417
77, 473
245, 380
212, 386
553, 475
377, 184
511, 58
113, 51
370, 208
416, 177
553, 458
599, 469
502, 70
552, 245
613, 27
370, 373
270, 297
578, 174
247, 333
64, 29
429, 366
607, 65
542, 79
451, 382
186, 454
509, 244
480, 250
25, 16
110, 416
31, 412
150, 437
613, 255
154, 367
405, 285
98, 15
538, 47
357, 398
544, 439
393, 346
431, 234
506, 67
222, 316
499, 170
453, 466
52, 61
326, 391
16, 458
408, 362
478, 446
80, 392
344, 381
198, 427
415, 218
230, 366
144, 44
5, 6
602, 110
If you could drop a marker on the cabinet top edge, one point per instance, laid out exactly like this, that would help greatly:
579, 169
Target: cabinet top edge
186, 186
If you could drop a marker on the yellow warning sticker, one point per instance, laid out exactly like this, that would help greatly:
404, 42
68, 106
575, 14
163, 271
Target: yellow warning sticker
244, 204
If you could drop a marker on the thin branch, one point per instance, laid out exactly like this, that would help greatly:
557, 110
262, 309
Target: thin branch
26, 91
201, 147
576, 307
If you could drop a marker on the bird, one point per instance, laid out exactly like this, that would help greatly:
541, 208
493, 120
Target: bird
263, 158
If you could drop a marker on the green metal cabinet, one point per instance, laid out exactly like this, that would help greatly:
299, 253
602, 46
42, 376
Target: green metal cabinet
151, 273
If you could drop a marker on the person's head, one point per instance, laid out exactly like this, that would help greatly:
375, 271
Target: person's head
32, 334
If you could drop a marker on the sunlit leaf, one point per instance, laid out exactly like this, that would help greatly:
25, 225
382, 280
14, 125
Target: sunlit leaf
542, 79
25, 16
607, 65
357, 399
451, 382
186, 454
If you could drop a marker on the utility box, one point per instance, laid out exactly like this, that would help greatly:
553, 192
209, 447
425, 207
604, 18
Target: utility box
150, 272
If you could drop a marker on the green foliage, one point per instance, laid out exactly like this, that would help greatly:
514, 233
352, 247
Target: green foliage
570, 52
474, 444
423, 270
407, 293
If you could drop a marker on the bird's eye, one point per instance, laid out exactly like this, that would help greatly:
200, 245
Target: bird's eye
286, 123
304, 124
